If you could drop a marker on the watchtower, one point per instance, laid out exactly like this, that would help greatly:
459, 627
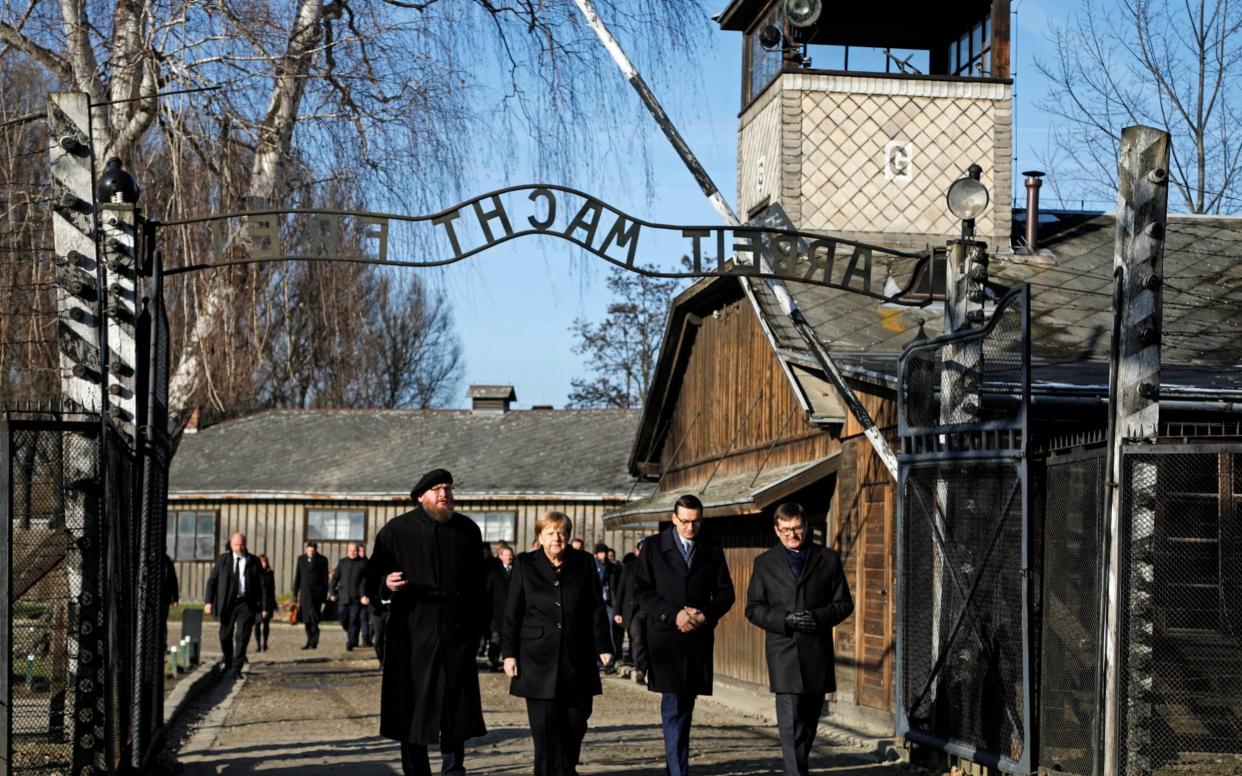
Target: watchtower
857, 117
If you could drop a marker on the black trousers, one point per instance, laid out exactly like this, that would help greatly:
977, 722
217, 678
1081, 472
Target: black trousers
368, 635
262, 632
351, 615
310, 621
493, 651
414, 760
797, 718
558, 727
235, 634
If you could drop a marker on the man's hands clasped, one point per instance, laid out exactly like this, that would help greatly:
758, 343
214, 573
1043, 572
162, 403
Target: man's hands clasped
801, 621
690, 619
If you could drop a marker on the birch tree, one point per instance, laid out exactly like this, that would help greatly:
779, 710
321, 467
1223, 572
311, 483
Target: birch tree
1170, 64
224, 104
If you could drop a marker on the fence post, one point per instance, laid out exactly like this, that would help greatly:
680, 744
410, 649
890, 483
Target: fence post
81, 343
1134, 413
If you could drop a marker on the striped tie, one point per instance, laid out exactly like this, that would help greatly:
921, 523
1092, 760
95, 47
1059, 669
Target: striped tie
687, 551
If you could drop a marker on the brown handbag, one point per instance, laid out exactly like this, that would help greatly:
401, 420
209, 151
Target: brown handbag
293, 614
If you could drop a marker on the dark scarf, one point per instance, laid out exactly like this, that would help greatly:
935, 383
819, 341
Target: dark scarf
797, 559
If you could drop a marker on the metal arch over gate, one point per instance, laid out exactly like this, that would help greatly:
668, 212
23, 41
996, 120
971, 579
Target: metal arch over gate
963, 663
488, 220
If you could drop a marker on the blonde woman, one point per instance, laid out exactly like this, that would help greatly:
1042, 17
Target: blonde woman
555, 626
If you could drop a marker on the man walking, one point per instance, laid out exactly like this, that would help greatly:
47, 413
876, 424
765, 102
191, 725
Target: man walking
427, 564
310, 587
798, 593
682, 587
350, 597
498, 576
610, 583
368, 628
235, 595
628, 615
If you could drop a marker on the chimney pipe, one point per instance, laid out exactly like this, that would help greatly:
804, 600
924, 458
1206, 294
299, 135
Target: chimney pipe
1033, 183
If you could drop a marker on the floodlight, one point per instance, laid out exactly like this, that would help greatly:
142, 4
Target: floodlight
802, 13
770, 37
967, 198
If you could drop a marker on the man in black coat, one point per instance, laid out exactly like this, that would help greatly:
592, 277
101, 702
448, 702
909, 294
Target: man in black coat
428, 565
609, 575
310, 587
499, 572
235, 595
628, 614
682, 587
350, 595
798, 593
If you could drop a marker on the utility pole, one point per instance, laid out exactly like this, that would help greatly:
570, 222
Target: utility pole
83, 346
709, 189
1134, 413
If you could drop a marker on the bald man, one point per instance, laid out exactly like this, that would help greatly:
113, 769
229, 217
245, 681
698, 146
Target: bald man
235, 595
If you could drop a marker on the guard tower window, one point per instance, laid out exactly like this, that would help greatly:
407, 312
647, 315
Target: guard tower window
762, 65
971, 54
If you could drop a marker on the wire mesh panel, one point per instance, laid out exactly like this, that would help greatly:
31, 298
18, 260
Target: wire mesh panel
963, 665
1180, 708
51, 682
1070, 690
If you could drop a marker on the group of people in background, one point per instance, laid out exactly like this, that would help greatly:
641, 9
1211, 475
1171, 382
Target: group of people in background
562, 618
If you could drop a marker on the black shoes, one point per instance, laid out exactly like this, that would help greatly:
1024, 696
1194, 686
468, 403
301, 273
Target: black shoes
306, 645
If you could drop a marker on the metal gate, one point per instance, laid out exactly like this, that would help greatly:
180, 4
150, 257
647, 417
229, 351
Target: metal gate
963, 632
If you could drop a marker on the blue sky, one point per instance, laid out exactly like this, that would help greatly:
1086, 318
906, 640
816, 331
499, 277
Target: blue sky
514, 305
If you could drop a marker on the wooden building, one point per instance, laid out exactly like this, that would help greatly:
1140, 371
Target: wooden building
739, 411
283, 477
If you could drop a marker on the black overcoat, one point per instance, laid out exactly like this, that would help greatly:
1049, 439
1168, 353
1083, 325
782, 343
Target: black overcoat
555, 625
431, 683
347, 581
799, 662
498, 593
269, 591
310, 582
221, 590
624, 605
681, 662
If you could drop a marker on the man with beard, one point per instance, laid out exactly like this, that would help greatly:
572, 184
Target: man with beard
427, 564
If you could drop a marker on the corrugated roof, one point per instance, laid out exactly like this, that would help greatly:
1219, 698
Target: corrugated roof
377, 452
1071, 285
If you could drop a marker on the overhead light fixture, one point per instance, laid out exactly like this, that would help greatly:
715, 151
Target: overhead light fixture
802, 13
967, 198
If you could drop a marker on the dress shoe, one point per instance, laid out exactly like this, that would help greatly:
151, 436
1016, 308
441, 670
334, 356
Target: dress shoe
349, 647
306, 646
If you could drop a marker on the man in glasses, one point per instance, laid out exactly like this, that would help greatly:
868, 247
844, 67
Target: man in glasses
426, 564
797, 594
682, 588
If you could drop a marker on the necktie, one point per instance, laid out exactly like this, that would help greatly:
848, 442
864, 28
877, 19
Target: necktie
687, 551
237, 575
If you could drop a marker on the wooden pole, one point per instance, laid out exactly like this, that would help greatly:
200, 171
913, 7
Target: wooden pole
709, 189
1134, 404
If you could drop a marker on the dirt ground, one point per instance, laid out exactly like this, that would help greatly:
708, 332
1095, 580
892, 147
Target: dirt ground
309, 718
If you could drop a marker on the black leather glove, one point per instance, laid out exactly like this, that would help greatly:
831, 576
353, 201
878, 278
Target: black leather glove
802, 621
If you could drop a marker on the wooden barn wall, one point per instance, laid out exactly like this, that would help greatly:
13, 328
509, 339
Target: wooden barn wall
735, 407
278, 528
863, 533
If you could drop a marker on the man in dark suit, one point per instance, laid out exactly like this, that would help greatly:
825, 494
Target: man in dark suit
682, 587
610, 583
235, 595
310, 587
498, 576
798, 593
628, 615
348, 592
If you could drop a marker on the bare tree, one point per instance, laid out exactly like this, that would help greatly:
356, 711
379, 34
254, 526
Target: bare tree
1173, 65
389, 96
621, 350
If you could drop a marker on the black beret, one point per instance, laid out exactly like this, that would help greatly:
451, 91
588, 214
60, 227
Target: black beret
430, 480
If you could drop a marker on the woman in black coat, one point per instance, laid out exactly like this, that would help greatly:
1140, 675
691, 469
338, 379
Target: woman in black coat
555, 626
263, 625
